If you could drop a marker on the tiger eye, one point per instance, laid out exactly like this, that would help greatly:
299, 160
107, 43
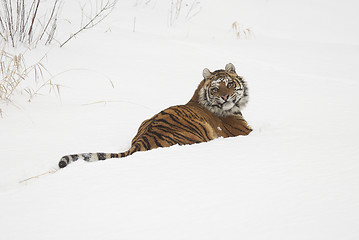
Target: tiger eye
229, 85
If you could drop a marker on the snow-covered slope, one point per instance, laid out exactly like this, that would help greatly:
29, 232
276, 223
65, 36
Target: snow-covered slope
295, 177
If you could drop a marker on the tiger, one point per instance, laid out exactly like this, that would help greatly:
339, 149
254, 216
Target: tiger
214, 111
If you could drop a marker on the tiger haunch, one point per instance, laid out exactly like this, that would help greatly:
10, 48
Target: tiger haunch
214, 111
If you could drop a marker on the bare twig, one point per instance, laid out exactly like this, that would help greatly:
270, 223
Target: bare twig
186, 9
48, 22
21, 22
52, 32
194, 9
99, 16
8, 21
39, 175
33, 20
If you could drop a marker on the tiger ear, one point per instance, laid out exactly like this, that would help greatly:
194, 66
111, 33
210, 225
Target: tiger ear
206, 73
230, 68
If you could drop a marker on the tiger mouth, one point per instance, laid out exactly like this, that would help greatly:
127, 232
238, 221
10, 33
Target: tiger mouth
227, 105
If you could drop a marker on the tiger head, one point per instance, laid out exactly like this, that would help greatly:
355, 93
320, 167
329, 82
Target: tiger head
223, 92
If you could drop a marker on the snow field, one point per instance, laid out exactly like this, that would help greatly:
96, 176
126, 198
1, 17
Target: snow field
294, 177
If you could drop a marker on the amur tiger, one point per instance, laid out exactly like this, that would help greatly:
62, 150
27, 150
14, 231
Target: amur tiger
214, 111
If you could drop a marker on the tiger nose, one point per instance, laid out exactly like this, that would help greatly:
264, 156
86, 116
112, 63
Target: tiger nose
225, 97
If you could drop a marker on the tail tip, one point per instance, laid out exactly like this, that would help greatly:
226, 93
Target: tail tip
62, 164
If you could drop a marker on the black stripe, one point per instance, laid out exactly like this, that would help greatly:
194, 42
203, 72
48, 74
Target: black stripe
165, 122
229, 132
74, 157
178, 111
101, 156
191, 112
238, 129
205, 132
238, 113
166, 129
168, 140
195, 128
182, 126
137, 147
185, 111
160, 136
147, 143
242, 126
158, 144
141, 142
86, 156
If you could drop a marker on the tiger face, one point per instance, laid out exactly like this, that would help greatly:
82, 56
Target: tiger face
223, 93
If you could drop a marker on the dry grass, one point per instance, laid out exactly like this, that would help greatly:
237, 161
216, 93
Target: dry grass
25, 24
14, 72
241, 32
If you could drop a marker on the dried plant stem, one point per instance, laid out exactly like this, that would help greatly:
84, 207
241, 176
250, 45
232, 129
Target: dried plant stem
187, 9
37, 176
49, 21
33, 20
101, 14
24, 21
241, 32
14, 71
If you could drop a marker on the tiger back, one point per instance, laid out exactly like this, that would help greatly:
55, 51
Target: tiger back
213, 111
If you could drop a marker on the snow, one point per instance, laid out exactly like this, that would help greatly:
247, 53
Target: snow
296, 176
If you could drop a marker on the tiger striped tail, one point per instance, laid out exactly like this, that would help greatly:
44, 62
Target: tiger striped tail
90, 157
